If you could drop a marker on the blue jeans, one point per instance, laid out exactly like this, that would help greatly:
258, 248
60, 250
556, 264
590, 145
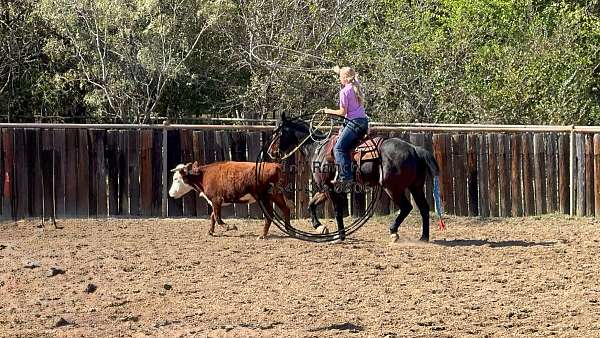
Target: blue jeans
349, 138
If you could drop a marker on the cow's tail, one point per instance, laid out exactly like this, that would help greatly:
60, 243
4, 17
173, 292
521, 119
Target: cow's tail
434, 170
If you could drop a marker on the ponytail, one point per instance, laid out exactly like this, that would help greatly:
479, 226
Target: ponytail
350, 75
357, 88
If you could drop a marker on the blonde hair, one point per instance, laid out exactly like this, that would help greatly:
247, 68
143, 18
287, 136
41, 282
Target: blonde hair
348, 74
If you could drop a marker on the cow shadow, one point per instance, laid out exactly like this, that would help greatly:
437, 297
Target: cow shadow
490, 243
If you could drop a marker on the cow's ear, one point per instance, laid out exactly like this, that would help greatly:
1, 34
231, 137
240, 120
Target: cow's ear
187, 169
195, 168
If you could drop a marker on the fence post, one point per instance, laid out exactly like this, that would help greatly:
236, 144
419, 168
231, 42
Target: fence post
572, 171
164, 169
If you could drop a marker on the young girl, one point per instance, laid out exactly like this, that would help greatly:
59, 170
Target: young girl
355, 126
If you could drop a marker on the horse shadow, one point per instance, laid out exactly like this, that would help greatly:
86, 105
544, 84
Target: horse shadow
492, 244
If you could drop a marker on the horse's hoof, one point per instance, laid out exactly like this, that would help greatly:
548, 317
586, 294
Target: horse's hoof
323, 230
231, 227
212, 234
261, 237
394, 238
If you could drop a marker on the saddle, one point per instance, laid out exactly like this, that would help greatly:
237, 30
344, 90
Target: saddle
367, 150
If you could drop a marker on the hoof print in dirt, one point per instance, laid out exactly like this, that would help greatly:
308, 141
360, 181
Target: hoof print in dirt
90, 288
131, 318
167, 286
53, 271
165, 323
32, 265
2, 246
61, 322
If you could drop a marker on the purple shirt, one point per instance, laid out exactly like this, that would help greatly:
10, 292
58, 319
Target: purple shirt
349, 101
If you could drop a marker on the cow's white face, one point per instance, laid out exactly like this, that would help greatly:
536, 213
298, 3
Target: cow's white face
178, 187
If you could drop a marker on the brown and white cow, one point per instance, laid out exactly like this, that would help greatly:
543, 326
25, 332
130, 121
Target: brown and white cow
223, 183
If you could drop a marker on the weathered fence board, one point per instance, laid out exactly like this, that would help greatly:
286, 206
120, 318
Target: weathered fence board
580, 179
83, 178
112, 169
157, 174
484, 191
597, 175
133, 155
46, 187
589, 175
528, 189
187, 156
460, 174
175, 206
472, 181
60, 166
539, 159
515, 176
3, 180
146, 188
504, 175
22, 182
123, 158
563, 174
33, 165
8, 203
551, 169
71, 172
493, 174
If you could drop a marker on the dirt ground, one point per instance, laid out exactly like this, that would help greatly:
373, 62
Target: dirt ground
163, 278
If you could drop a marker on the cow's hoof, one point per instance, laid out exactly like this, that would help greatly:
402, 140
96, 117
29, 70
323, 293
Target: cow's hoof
262, 237
424, 239
322, 229
394, 238
212, 234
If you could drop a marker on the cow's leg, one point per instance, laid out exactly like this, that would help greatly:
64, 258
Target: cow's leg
280, 202
211, 231
268, 205
314, 202
217, 212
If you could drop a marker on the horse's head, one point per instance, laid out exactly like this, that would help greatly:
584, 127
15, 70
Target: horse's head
289, 133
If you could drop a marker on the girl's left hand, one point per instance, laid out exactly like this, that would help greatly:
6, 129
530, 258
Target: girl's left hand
328, 111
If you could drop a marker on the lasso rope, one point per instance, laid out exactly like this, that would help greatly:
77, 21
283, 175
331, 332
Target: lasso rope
289, 67
311, 132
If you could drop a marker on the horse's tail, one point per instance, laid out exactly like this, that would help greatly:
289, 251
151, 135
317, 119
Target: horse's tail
426, 156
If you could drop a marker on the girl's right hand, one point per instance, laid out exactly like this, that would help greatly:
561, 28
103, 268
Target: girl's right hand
336, 69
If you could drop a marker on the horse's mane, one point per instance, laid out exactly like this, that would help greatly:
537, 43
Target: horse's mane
303, 126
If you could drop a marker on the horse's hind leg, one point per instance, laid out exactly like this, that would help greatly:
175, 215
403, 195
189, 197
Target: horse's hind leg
315, 201
403, 203
423, 205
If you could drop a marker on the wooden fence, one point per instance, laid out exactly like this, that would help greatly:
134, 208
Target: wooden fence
116, 171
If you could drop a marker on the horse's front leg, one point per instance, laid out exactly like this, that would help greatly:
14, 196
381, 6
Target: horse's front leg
339, 200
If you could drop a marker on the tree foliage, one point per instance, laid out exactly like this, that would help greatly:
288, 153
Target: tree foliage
493, 61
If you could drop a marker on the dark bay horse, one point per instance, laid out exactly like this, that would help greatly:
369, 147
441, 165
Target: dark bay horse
401, 166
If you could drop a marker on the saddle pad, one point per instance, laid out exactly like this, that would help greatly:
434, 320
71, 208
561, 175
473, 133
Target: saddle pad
367, 150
